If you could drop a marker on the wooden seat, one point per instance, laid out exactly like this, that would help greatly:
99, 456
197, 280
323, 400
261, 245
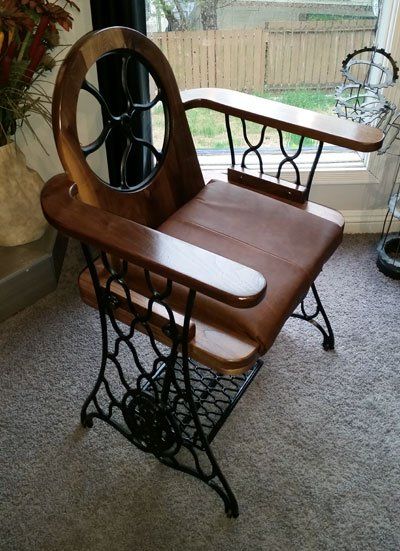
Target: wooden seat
220, 218
210, 273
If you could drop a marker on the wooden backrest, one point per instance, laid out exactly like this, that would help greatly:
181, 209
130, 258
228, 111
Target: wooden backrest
176, 176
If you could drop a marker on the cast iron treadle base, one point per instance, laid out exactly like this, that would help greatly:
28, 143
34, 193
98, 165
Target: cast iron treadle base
168, 405
173, 408
187, 421
214, 395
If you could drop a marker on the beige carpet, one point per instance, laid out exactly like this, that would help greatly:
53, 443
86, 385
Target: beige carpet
312, 451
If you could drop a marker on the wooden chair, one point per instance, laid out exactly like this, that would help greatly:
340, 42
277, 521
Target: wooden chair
210, 273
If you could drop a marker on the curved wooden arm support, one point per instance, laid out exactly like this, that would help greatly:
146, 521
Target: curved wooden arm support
208, 273
324, 128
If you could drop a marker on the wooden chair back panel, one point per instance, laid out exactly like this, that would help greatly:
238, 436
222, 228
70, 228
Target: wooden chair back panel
178, 177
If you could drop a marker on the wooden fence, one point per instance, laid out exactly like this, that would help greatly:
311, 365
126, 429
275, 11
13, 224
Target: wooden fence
310, 53
282, 55
225, 59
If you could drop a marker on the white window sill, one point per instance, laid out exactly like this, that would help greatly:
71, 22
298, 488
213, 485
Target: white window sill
335, 167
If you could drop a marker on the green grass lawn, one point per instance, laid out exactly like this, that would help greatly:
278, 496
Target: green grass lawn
208, 127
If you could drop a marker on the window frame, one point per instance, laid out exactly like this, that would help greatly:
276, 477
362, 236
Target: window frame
365, 168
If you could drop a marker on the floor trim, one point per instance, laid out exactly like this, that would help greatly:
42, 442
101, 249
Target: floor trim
366, 221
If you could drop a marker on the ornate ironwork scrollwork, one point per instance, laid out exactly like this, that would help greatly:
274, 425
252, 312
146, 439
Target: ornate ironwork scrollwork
167, 404
253, 148
288, 156
125, 122
153, 428
328, 342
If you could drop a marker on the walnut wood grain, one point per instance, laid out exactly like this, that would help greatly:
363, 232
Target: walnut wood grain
226, 353
213, 275
268, 184
321, 127
179, 177
309, 206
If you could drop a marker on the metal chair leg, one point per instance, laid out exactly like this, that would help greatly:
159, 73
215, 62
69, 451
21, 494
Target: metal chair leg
328, 342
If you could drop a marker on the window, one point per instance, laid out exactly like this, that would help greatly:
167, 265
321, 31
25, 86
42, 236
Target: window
289, 51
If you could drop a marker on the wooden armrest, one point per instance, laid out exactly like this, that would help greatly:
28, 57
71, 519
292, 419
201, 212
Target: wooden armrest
208, 273
324, 128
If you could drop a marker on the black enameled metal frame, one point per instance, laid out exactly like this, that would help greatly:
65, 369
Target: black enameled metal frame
173, 405
289, 157
124, 122
328, 342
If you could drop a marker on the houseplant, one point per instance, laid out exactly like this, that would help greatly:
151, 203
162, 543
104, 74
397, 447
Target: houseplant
29, 33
